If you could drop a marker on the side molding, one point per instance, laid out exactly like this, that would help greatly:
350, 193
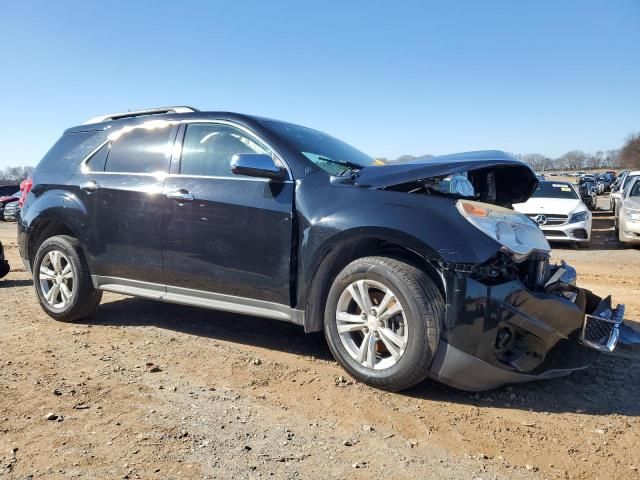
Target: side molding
199, 298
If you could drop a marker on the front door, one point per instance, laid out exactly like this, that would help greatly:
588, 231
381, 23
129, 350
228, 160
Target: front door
224, 233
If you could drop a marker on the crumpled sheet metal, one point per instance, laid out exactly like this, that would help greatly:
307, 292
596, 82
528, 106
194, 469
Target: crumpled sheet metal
628, 334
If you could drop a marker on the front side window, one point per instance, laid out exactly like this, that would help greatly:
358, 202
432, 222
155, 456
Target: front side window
207, 149
140, 149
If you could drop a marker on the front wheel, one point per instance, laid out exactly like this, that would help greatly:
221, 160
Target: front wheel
62, 280
382, 322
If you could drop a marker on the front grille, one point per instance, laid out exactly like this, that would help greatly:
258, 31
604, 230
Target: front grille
552, 219
601, 332
554, 233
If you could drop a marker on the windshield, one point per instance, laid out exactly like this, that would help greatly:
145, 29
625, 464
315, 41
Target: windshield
635, 189
330, 154
554, 190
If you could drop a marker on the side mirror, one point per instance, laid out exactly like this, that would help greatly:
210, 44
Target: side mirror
617, 194
257, 165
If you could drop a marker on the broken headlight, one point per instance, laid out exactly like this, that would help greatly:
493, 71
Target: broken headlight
517, 233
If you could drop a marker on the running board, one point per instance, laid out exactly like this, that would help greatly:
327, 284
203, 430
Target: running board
199, 298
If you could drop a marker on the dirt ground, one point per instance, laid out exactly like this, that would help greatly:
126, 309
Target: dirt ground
150, 390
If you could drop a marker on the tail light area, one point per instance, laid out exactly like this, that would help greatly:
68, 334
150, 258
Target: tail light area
25, 188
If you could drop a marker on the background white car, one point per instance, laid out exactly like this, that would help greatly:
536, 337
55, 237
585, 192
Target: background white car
628, 215
616, 195
557, 208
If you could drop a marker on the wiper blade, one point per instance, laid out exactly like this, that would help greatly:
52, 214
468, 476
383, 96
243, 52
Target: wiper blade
350, 165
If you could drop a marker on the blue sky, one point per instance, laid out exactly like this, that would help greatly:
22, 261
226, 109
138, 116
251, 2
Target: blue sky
390, 77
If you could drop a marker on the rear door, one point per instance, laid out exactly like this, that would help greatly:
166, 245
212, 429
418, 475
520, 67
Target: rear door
225, 233
121, 185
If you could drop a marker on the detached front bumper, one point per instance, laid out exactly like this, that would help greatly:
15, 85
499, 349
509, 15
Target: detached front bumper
503, 332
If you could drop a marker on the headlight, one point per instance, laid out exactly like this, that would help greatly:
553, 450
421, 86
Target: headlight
517, 233
578, 217
631, 214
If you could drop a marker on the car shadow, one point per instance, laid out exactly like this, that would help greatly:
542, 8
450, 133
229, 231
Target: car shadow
611, 386
15, 283
248, 330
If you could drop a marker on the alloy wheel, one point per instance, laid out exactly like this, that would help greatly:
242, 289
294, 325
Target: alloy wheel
56, 279
371, 324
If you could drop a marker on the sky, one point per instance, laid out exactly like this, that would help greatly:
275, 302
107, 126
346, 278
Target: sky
389, 77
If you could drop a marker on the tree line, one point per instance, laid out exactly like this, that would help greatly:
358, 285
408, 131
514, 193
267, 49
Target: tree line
14, 175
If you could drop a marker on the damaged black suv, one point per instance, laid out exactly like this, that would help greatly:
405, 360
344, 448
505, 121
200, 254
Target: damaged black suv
412, 270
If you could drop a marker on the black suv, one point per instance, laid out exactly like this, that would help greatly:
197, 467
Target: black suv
412, 270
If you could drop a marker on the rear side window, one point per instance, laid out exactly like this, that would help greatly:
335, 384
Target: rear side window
98, 160
207, 149
140, 149
62, 154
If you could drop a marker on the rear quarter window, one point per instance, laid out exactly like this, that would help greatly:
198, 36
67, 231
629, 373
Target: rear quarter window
69, 150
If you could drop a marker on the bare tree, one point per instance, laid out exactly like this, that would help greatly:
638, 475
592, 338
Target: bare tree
630, 152
574, 160
612, 159
536, 161
14, 175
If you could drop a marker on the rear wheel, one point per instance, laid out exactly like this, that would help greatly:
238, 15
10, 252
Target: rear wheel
382, 322
62, 280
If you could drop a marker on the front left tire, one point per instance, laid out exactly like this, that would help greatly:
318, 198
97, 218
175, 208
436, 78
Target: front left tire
62, 280
382, 322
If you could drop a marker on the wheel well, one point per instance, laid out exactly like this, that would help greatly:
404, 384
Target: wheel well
338, 258
45, 229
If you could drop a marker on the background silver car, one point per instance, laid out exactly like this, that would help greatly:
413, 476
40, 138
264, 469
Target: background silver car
11, 211
628, 214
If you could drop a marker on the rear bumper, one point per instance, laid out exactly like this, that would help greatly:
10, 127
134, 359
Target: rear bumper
23, 241
506, 333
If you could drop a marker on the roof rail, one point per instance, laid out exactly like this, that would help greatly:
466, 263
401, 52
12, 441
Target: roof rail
138, 113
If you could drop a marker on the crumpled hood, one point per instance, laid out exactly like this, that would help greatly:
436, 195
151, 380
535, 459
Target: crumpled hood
515, 182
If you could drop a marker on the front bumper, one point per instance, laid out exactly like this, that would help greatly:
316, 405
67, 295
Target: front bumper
570, 232
502, 333
10, 216
629, 230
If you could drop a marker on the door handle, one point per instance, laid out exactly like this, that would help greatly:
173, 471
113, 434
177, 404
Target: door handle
180, 195
89, 186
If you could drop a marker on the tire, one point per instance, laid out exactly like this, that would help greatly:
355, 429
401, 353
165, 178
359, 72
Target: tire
77, 299
389, 366
584, 245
